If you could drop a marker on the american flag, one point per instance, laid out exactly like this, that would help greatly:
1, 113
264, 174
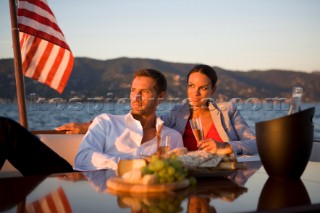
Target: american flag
46, 56
55, 201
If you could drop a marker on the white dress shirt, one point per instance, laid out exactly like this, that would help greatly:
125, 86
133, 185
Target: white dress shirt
114, 137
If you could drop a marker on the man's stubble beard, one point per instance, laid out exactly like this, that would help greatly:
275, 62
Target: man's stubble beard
149, 110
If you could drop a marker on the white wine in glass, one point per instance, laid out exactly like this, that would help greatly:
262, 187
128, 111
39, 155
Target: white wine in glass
164, 149
196, 127
164, 145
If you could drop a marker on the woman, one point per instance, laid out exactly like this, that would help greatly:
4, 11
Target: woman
224, 130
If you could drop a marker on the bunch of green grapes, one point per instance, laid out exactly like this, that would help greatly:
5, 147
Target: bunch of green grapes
166, 170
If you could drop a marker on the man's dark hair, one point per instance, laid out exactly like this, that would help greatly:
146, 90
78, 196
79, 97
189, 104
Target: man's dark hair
160, 79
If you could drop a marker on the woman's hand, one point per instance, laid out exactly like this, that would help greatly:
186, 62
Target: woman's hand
210, 145
74, 128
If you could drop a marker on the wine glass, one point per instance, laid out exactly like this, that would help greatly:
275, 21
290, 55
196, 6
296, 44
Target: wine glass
164, 145
196, 127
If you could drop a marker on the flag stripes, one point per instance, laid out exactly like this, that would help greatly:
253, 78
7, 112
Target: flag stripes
56, 201
46, 57
40, 22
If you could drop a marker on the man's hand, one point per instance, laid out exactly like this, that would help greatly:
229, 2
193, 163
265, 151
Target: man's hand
74, 128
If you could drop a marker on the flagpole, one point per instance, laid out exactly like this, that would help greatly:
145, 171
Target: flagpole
21, 98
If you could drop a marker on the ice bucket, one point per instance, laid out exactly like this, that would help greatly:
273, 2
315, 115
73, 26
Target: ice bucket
284, 144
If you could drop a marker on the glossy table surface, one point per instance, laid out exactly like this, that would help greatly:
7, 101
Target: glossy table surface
247, 190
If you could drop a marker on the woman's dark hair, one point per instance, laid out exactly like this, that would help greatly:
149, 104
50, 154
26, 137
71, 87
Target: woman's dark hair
157, 76
206, 70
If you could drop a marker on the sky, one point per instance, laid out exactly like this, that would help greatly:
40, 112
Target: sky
238, 35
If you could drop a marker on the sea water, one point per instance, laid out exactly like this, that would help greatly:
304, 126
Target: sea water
44, 116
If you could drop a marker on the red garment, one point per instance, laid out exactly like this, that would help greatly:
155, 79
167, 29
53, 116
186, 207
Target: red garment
213, 133
190, 142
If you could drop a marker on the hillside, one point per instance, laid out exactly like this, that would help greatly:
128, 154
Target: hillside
92, 78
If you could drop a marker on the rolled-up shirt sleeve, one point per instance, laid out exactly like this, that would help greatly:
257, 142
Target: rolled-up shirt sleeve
101, 161
91, 154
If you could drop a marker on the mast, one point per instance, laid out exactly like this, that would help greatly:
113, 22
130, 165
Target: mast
21, 98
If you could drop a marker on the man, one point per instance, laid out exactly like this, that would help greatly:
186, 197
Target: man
114, 137
105, 143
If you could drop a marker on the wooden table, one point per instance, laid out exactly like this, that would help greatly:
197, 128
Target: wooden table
247, 190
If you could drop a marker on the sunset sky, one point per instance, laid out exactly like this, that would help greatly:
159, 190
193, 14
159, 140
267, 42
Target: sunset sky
232, 34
